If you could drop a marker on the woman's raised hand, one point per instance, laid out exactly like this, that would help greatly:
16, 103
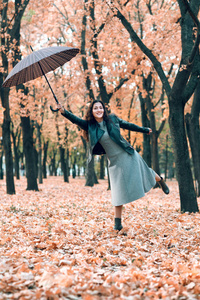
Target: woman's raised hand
61, 108
150, 131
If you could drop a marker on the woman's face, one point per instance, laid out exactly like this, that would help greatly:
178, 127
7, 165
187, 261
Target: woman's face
98, 111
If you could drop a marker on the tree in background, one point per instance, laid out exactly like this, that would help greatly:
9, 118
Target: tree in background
193, 131
11, 13
184, 83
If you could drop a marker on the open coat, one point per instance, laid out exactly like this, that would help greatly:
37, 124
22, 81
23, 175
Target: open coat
95, 132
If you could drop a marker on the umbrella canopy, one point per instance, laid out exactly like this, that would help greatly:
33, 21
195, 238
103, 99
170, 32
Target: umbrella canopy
39, 63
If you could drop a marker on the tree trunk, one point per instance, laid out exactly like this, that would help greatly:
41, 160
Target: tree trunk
16, 162
63, 164
39, 153
146, 138
67, 164
91, 178
10, 187
44, 168
171, 167
166, 157
8, 39
193, 130
16, 154
36, 160
147, 107
181, 153
16, 143
74, 166
90, 175
147, 83
29, 154
52, 167
194, 149
102, 170
95, 176
155, 156
1, 165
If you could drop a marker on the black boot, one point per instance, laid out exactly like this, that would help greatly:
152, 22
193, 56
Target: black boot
163, 186
118, 224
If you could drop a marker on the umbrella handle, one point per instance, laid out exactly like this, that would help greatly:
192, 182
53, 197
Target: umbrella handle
54, 110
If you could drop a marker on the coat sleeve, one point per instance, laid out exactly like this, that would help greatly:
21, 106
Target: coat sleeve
131, 126
76, 120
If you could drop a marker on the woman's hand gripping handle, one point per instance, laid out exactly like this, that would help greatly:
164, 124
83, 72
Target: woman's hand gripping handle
58, 108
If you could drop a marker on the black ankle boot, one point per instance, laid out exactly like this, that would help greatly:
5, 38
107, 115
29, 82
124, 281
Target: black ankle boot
163, 186
118, 224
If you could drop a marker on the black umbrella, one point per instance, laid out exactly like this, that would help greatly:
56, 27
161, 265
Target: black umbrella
39, 63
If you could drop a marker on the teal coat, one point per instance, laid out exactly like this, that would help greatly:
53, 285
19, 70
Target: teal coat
113, 125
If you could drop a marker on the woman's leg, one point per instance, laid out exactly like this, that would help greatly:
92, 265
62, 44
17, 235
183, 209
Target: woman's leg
118, 217
157, 177
118, 211
162, 184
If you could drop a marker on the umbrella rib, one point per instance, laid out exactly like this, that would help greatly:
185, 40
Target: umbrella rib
47, 66
52, 63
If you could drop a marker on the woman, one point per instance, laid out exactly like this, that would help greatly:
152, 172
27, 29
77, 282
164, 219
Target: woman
130, 177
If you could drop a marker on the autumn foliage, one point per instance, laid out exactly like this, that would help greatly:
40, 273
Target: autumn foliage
59, 243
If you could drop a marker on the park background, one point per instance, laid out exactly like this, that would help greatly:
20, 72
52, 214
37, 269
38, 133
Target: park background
142, 59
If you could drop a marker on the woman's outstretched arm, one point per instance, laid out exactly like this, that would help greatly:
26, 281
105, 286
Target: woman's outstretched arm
133, 127
71, 117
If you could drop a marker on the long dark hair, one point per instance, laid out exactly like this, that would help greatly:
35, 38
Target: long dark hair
90, 118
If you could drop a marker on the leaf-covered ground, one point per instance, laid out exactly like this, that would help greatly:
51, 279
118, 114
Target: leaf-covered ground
59, 243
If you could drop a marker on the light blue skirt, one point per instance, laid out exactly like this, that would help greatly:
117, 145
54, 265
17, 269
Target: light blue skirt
130, 176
